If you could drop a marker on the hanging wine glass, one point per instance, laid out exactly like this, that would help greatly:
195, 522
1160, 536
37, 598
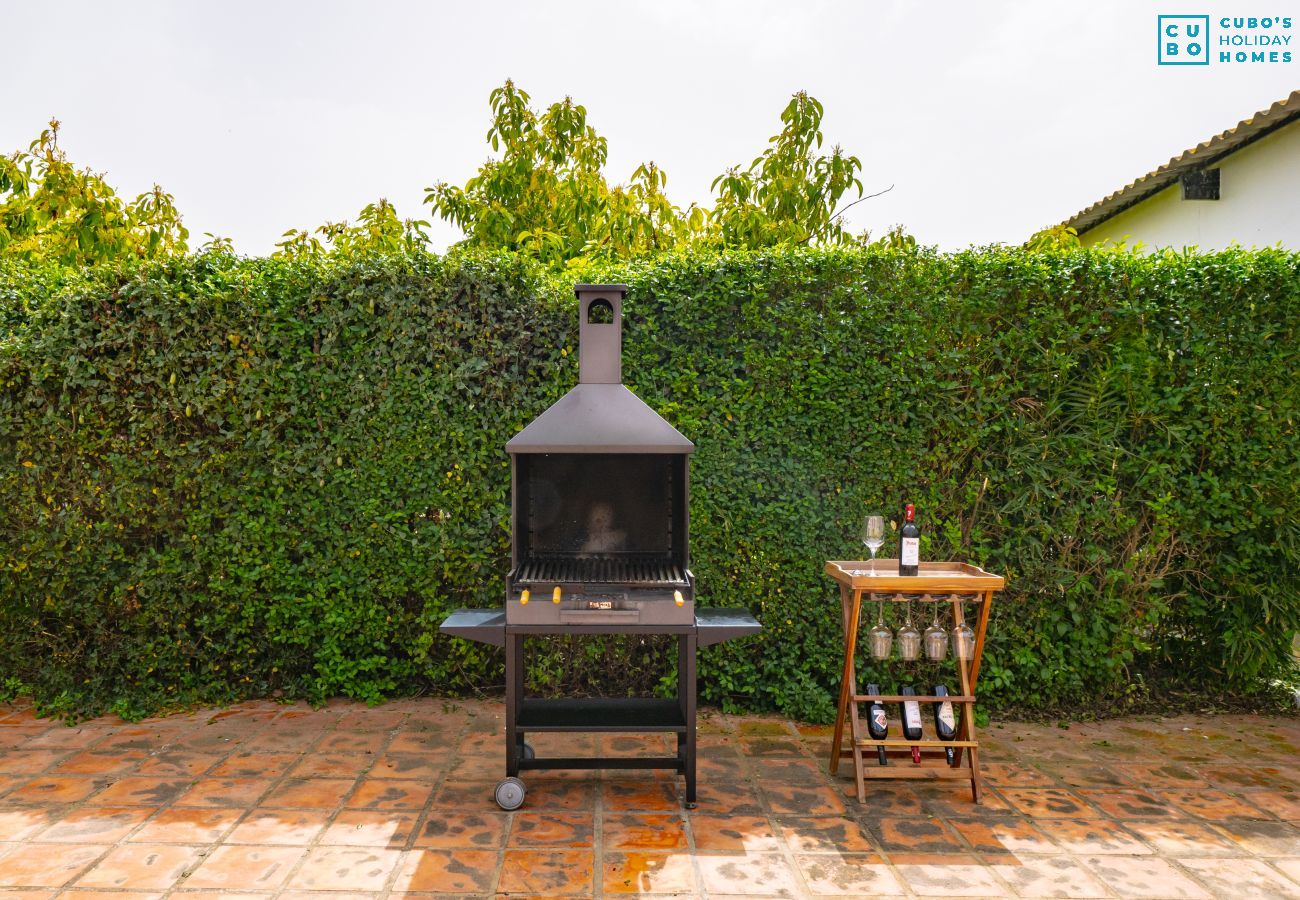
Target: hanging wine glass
873, 535
963, 642
880, 636
909, 638
935, 638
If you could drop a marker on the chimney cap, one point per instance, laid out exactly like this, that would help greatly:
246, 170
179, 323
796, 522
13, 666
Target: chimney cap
580, 289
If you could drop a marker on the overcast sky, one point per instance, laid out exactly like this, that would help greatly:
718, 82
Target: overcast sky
991, 119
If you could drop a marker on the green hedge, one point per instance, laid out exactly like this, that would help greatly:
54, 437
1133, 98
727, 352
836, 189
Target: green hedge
225, 478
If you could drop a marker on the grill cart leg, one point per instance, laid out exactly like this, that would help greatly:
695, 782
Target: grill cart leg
686, 645
514, 693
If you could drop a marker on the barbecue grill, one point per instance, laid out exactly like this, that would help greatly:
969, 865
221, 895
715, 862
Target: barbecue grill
599, 525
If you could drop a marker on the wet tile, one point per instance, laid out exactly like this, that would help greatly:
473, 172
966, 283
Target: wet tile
141, 791
447, 871
994, 836
290, 827
1263, 838
632, 745
1234, 776
246, 868
789, 771
1216, 806
1050, 876
52, 790
448, 829
753, 834
422, 743
477, 796
157, 866
1159, 776
650, 796
538, 829
178, 763
255, 765
825, 834
371, 720
233, 792
30, 762
371, 742
546, 872
1016, 775
772, 746
941, 880
643, 831
331, 765
906, 835
386, 793
1093, 777
887, 800
1129, 804
1283, 804
1143, 876
1241, 878
46, 865
857, 874
187, 826
346, 869
369, 828
1055, 803
955, 800
634, 872
765, 874
92, 762
805, 800
312, 793
95, 825
728, 799
1096, 836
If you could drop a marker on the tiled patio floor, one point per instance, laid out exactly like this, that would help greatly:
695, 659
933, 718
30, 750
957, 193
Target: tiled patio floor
288, 802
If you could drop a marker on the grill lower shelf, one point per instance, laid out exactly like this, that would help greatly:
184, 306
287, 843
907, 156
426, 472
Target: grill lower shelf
604, 713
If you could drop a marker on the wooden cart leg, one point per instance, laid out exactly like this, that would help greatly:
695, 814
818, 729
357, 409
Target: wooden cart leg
976, 789
852, 603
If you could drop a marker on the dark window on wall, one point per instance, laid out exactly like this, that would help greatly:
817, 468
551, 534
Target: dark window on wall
1202, 184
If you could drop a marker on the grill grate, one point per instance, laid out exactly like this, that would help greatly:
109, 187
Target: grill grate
606, 570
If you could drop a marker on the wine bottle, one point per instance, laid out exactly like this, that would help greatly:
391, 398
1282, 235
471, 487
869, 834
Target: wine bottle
912, 721
909, 544
945, 724
878, 722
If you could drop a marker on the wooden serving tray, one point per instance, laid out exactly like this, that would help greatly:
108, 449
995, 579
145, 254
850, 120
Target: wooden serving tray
934, 577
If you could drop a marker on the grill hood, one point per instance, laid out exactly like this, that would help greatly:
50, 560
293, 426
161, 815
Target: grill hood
600, 415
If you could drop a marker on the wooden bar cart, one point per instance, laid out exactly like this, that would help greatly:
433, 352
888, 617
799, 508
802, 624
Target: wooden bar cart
957, 584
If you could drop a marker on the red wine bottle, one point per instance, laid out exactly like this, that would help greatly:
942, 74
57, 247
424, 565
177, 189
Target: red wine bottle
878, 722
945, 724
912, 721
909, 544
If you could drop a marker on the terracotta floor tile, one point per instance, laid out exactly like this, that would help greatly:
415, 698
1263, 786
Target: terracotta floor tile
825, 834
447, 871
427, 768
633, 745
246, 868
1016, 775
187, 826
861, 874
643, 831
290, 827
1241, 878
312, 793
255, 765
483, 744
541, 829
232, 792
179, 763
753, 834
18, 824
766, 874
992, 836
95, 825
942, 880
386, 793
1055, 803
789, 771
1288, 867
371, 720
371, 742
547, 872
332, 765
955, 799
30, 762
109, 894
648, 873
1263, 838
803, 800
46, 865
1143, 876
1283, 804
1236, 776
443, 829
1050, 876
146, 866
1159, 776
1216, 806
139, 790
422, 743
907, 835
76, 737
346, 869
648, 796
757, 747
52, 790
1096, 836
477, 796
1130, 804
728, 799
1184, 839
369, 828
93, 762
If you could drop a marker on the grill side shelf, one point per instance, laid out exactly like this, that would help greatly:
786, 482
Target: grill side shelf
487, 626
715, 625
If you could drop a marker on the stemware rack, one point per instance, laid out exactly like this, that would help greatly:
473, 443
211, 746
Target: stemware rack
958, 585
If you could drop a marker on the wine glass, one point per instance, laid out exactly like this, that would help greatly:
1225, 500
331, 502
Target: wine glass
909, 638
873, 535
963, 642
935, 638
880, 636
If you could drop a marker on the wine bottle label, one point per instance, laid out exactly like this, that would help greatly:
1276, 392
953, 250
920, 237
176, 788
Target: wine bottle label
912, 712
946, 716
879, 718
911, 552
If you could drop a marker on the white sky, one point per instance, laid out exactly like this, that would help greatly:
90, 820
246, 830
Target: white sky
992, 119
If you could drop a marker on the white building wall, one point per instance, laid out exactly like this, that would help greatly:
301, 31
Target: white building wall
1258, 205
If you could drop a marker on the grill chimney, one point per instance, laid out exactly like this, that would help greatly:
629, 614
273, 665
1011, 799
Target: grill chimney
600, 333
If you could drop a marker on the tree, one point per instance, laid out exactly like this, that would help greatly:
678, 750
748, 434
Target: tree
51, 210
378, 230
